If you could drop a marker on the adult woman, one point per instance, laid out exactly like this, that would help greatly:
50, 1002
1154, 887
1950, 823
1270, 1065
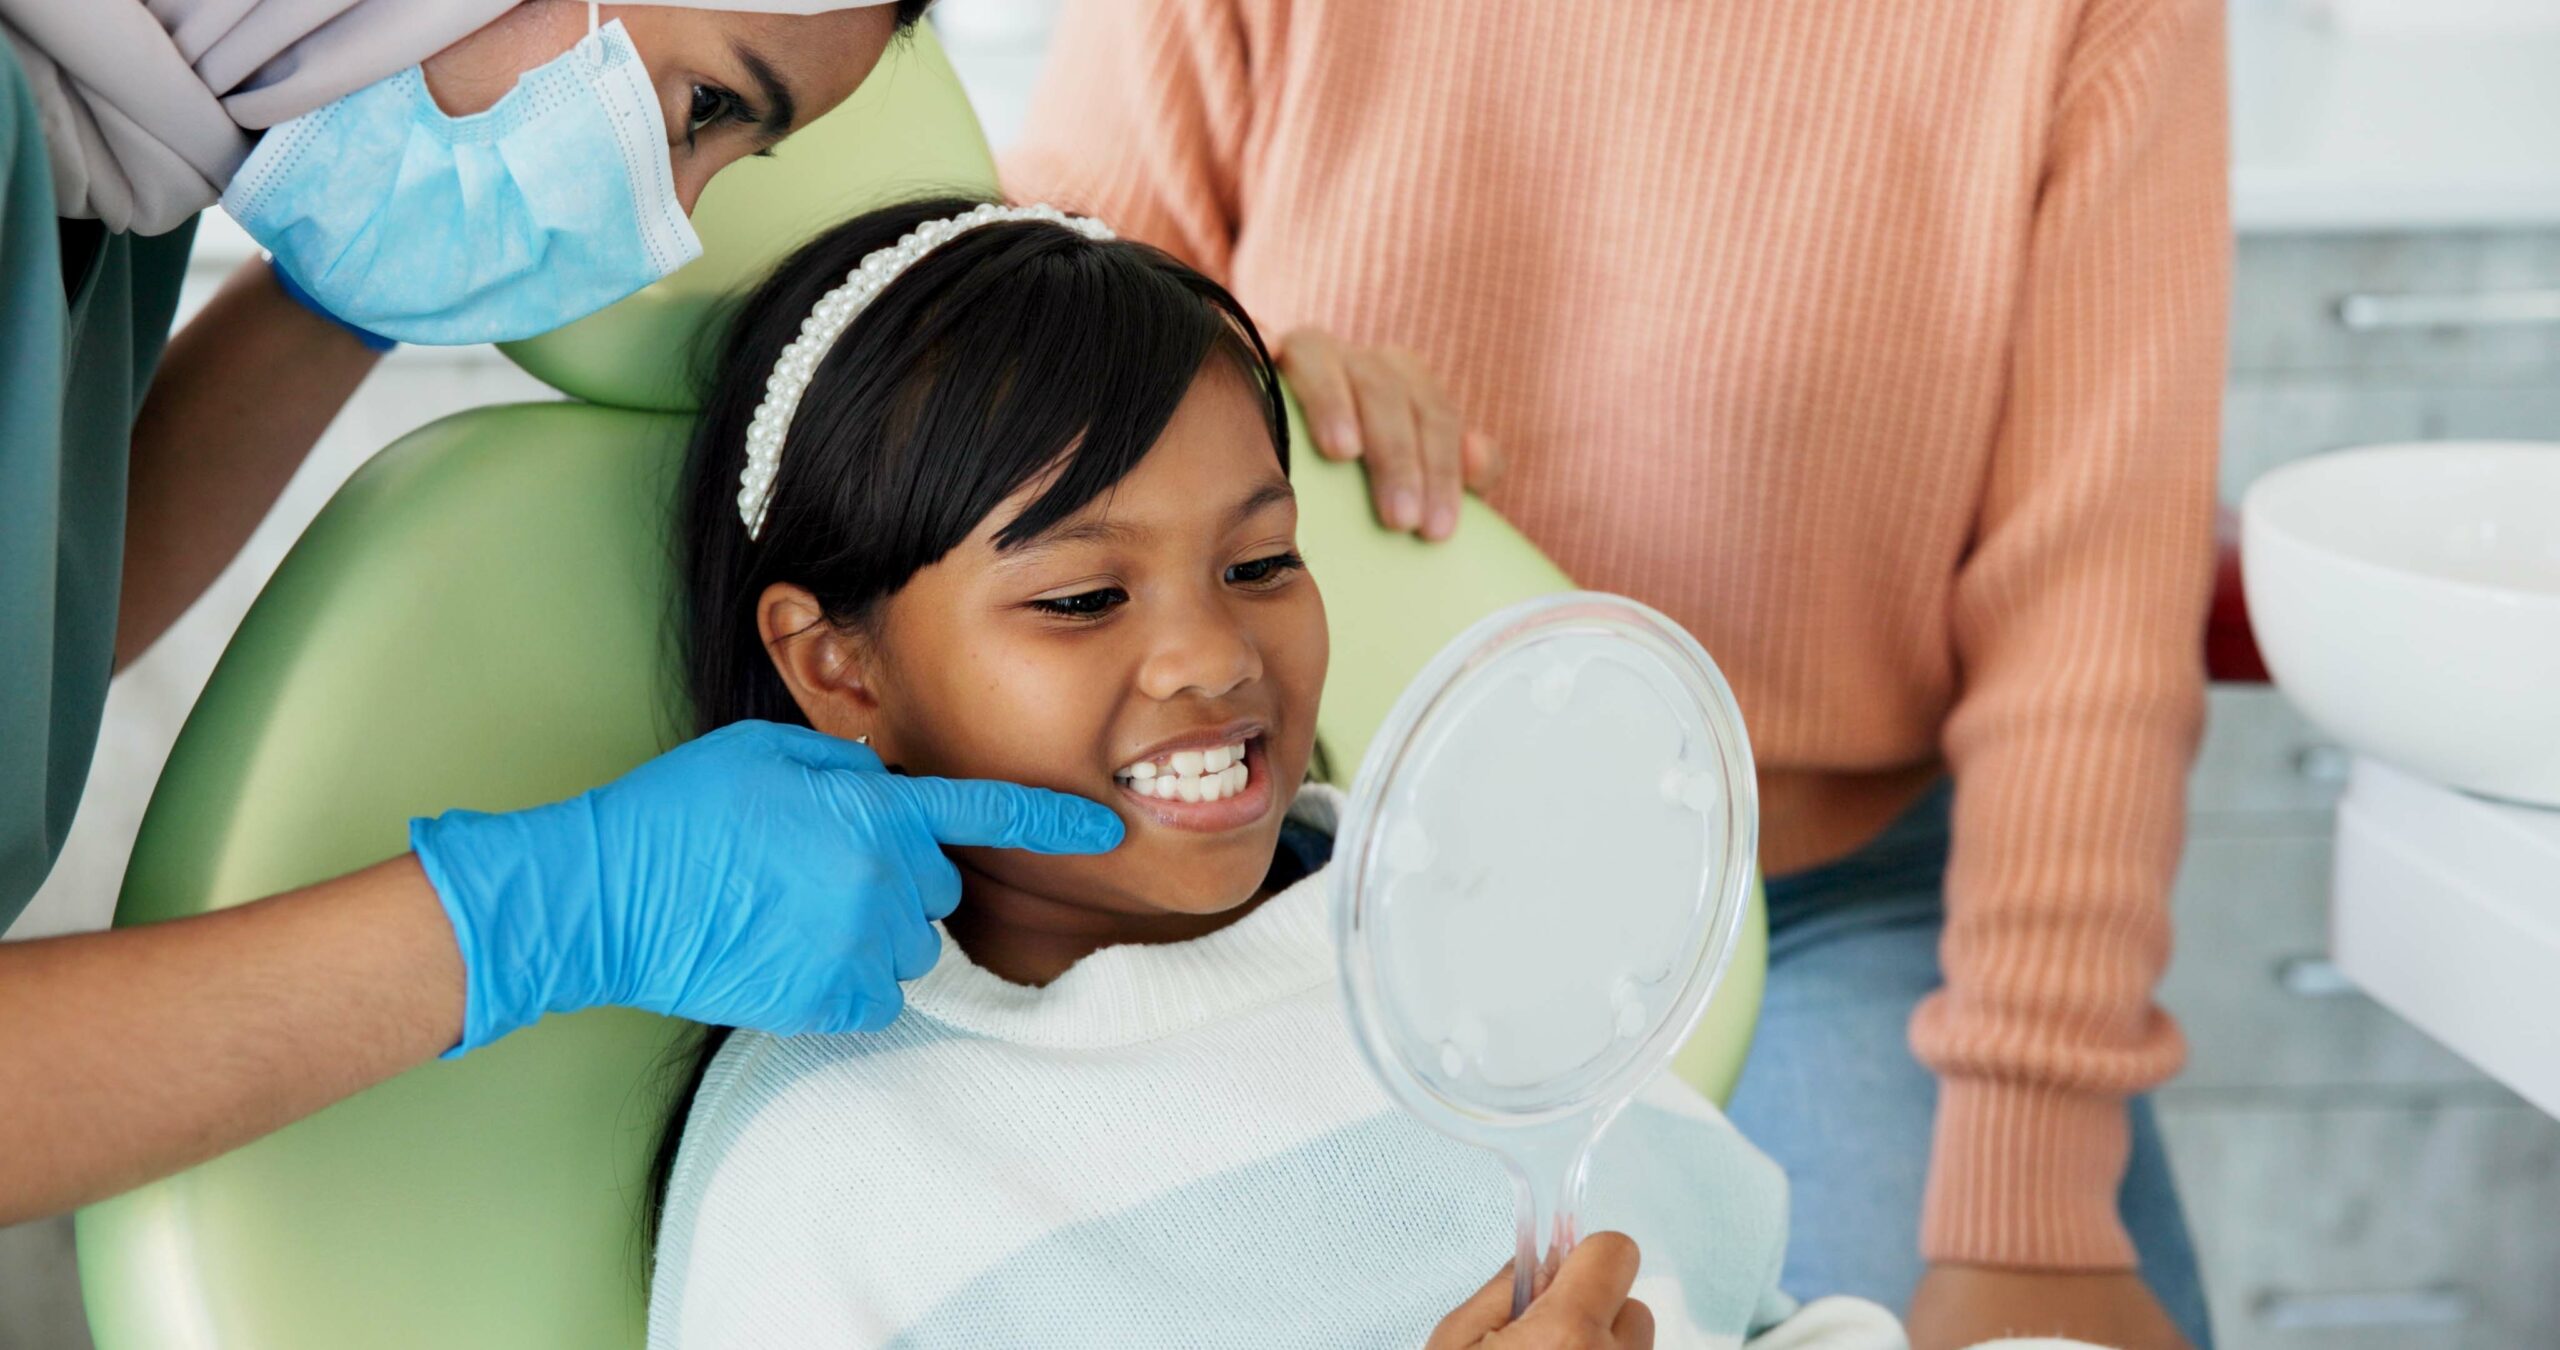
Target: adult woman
1878, 344
453, 172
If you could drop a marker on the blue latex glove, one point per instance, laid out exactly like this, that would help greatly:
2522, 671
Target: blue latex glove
763, 876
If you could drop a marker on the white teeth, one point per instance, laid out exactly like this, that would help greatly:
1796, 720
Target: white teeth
1225, 783
1207, 775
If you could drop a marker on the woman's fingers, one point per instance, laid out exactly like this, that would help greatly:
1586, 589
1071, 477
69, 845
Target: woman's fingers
1390, 440
1482, 457
1381, 405
1312, 361
1439, 437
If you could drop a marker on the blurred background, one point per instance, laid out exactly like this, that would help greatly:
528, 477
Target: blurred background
2352, 1183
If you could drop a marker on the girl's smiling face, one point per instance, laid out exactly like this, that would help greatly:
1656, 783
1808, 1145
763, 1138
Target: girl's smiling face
1167, 619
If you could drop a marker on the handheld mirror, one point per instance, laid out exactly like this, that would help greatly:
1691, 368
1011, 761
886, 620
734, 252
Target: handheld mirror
1539, 881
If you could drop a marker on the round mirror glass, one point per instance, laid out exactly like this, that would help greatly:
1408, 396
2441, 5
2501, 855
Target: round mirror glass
1539, 881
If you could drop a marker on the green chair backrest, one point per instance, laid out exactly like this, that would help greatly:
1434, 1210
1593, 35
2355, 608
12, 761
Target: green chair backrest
478, 619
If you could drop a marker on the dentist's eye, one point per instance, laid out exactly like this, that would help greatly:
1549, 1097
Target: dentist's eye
1084, 604
1265, 571
714, 106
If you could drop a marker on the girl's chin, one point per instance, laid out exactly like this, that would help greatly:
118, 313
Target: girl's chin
1203, 891
1208, 901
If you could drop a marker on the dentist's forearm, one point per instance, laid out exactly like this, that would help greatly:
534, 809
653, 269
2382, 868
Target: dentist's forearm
241, 396
128, 1055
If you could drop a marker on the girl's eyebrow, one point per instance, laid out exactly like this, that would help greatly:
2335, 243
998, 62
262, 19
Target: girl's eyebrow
1076, 532
1270, 493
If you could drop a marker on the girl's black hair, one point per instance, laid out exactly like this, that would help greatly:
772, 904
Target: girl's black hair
1014, 350
909, 11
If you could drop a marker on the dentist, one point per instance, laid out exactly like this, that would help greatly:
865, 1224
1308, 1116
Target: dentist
457, 172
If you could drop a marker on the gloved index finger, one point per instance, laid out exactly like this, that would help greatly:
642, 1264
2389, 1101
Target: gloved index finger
972, 812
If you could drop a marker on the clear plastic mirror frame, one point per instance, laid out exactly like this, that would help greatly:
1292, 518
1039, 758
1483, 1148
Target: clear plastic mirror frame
1539, 882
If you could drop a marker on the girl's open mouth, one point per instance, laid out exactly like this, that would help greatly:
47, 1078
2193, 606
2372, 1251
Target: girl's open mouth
1208, 788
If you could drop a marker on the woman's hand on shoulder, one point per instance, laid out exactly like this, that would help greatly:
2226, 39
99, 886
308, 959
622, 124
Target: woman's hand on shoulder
1958, 1306
1381, 406
1585, 1307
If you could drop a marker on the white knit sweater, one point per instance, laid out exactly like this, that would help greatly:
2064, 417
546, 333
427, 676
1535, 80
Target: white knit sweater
1168, 1145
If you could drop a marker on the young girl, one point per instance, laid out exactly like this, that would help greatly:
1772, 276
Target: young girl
1014, 504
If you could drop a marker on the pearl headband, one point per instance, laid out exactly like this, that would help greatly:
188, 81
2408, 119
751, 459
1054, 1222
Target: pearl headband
835, 312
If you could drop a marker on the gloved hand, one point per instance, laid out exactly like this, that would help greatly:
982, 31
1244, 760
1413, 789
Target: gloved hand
764, 876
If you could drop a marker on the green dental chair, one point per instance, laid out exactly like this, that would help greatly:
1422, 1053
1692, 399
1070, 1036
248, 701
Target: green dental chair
479, 619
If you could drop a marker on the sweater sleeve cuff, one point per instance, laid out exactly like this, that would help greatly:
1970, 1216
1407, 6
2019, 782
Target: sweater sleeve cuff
2025, 1175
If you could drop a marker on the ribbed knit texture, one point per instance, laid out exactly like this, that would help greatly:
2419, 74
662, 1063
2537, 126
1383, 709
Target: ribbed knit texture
1168, 1145
1879, 344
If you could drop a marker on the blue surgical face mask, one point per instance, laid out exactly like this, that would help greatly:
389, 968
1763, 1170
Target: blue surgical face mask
428, 228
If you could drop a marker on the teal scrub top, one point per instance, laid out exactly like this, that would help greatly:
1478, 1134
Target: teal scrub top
83, 315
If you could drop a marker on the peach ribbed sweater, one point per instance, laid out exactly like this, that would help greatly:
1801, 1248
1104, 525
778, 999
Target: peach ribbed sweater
1880, 344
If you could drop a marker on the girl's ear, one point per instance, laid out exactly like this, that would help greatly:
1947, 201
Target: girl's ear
826, 667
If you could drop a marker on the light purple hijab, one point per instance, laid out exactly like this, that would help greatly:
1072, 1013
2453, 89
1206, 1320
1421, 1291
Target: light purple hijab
149, 106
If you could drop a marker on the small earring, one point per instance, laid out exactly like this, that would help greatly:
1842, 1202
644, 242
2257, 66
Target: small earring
863, 739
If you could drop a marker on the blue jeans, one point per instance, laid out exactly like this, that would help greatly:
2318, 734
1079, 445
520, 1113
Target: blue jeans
1832, 1091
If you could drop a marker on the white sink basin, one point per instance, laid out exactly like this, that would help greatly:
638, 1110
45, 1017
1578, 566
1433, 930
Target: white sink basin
2407, 598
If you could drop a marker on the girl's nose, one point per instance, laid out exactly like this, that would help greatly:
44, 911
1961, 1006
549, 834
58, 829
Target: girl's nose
1202, 652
